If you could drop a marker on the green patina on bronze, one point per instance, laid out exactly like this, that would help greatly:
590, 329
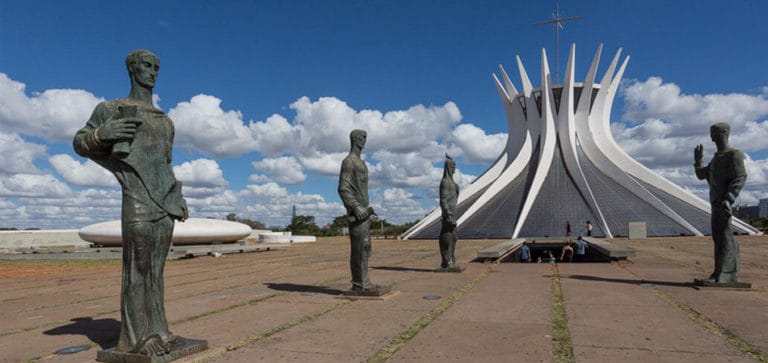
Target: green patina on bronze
449, 196
353, 190
133, 139
726, 176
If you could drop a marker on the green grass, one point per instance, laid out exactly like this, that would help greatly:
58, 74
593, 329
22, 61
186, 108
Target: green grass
562, 350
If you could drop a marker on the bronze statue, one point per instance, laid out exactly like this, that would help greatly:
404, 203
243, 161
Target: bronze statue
353, 190
133, 139
449, 196
726, 176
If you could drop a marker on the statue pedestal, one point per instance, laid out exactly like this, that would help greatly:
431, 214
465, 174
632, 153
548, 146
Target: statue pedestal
189, 347
701, 284
377, 292
450, 269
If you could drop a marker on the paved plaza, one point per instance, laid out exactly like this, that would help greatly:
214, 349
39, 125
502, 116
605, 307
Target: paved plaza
282, 306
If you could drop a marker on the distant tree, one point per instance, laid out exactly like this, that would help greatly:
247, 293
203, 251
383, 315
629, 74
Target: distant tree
254, 224
760, 223
8, 229
303, 225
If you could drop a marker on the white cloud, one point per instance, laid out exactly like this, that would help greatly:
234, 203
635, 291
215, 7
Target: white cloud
328, 164
54, 114
204, 173
411, 170
201, 124
398, 205
216, 205
259, 178
85, 174
689, 115
284, 170
661, 126
476, 144
405, 150
273, 205
73, 211
16, 155
33, 185
319, 127
757, 172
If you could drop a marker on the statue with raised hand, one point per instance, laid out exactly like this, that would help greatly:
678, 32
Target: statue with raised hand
449, 196
353, 190
726, 175
133, 139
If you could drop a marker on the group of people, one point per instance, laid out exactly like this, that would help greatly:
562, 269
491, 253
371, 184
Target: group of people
571, 252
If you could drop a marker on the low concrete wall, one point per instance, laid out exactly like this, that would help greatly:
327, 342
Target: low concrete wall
284, 237
11, 240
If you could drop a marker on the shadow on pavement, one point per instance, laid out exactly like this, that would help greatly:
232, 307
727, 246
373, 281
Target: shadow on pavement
286, 286
628, 281
104, 332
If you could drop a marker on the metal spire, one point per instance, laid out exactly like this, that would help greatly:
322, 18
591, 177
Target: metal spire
557, 21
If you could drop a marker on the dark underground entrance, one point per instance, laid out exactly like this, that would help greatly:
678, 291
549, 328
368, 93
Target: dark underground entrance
548, 251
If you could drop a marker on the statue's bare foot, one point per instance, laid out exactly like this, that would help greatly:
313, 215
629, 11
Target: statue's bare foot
153, 346
173, 339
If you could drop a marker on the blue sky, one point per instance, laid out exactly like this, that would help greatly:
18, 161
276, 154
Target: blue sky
280, 84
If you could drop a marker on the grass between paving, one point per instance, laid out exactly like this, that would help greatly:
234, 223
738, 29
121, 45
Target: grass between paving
215, 353
401, 340
750, 350
562, 349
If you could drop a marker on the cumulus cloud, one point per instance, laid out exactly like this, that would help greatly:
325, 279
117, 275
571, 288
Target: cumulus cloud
317, 139
654, 99
661, 125
405, 149
284, 170
411, 170
213, 205
273, 204
477, 146
84, 174
396, 204
16, 155
74, 211
33, 185
201, 124
327, 164
200, 173
54, 114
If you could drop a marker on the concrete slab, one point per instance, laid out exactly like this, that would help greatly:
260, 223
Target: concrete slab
500, 249
280, 306
472, 341
629, 355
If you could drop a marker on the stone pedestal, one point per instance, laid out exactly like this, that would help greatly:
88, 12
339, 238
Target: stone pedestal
189, 347
376, 292
450, 269
700, 284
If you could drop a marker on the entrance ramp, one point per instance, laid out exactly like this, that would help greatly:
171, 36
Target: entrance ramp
500, 250
613, 251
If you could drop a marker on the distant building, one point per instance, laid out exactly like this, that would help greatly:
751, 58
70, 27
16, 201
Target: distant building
746, 212
762, 208
561, 163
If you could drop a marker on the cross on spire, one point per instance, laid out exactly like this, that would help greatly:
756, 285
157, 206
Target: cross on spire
557, 21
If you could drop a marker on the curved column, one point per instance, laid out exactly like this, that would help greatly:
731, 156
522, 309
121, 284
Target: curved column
594, 142
566, 130
547, 141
